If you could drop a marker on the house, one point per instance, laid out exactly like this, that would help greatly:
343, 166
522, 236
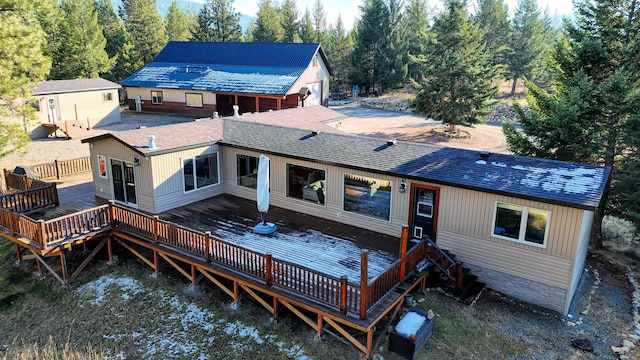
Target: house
521, 224
200, 78
81, 102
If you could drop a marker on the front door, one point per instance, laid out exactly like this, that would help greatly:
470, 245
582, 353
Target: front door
424, 212
124, 186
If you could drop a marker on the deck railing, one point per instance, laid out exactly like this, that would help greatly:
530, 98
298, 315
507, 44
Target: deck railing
75, 224
21, 182
27, 200
59, 168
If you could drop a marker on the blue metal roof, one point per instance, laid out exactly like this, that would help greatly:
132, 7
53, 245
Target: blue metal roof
250, 68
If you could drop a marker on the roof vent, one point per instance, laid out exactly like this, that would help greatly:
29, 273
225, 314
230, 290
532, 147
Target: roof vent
484, 154
315, 132
391, 142
152, 141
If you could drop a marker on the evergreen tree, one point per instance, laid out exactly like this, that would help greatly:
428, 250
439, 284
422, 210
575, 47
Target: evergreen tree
23, 63
80, 52
416, 29
248, 36
307, 32
492, 18
176, 24
319, 21
529, 43
218, 21
591, 115
370, 52
339, 47
119, 47
289, 15
397, 54
145, 27
625, 199
458, 87
268, 27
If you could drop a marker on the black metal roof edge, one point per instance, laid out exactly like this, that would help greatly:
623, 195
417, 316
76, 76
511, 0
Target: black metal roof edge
434, 181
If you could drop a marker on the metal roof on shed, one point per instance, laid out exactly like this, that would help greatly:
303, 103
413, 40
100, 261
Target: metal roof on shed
73, 85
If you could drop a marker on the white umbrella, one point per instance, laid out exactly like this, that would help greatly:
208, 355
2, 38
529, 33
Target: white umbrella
263, 196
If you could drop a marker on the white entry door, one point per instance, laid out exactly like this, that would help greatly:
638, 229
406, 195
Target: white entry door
316, 94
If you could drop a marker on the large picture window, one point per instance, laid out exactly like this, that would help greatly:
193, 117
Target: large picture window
200, 172
306, 183
367, 196
247, 170
193, 100
156, 97
522, 224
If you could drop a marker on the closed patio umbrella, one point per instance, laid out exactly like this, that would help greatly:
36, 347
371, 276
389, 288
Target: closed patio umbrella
263, 227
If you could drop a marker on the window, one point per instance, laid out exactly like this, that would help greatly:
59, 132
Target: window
200, 172
521, 224
425, 203
315, 61
193, 100
367, 196
156, 97
35, 105
102, 166
247, 170
306, 183
107, 96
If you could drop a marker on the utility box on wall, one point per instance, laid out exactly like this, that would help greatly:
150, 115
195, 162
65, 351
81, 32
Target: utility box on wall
411, 333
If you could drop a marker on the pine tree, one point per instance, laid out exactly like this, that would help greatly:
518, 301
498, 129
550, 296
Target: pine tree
307, 33
289, 15
218, 21
339, 47
80, 52
268, 28
23, 63
248, 36
176, 23
492, 18
591, 115
371, 38
529, 43
416, 28
397, 54
319, 21
119, 47
145, 27
458, 87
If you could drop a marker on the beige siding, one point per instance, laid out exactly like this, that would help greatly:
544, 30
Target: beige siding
581, 254
142, 173
170, 95
332, 209
314, 74
168, 179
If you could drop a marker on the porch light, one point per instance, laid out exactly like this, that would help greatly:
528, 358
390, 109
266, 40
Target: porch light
403, 186
136, 161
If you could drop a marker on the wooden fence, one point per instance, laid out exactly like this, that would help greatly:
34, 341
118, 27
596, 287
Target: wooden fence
59, 168
32, 194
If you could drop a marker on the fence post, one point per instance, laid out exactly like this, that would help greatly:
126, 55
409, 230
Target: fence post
156, 228
364, 283
56, 164
343, 294
6, 179
56, 199
41, 235
12, 224
268, 269
403, 252
207, 243
112, 212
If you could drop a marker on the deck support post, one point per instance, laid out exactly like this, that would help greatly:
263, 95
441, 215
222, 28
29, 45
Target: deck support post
268, 269
364, 279
275, 307
63, 265
110, 250
236, 295
320, 324
38, 265
18, 253
156, 262
459, 275
193, 275
343, 295
403, 252
207, 242
370, 342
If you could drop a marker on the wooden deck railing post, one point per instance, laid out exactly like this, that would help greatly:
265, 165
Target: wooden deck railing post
364, 283
343, 294
112, 212
207, 245
6, 179
57, 167
41, 235
12, 223
459, 275
404, 240
156, 228
56, 199
268, 269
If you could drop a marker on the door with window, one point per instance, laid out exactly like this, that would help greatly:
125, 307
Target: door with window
424, 212
123, 180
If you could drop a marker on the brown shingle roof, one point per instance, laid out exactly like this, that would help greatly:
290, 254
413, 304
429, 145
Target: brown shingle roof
75, 85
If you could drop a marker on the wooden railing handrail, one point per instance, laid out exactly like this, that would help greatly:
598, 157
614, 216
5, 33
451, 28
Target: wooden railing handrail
75, 214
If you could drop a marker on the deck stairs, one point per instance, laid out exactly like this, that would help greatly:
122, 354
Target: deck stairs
445, 272
67, 128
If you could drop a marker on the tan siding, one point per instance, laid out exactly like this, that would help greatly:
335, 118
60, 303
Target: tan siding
546, 269
581, 253
168, 180
170, 95
142, 173
80, 106
311, 74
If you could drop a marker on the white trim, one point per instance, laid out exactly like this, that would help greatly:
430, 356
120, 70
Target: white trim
113, 193
523, 224
198, 104
195, 183
155, 102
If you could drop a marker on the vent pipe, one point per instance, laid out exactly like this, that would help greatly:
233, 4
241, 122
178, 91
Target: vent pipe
315, 132
484, 154
391, 142
152, 141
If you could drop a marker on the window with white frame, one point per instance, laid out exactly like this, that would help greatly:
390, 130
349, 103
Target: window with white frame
107, 96
156, 97
193, 100
200, 171
521, 223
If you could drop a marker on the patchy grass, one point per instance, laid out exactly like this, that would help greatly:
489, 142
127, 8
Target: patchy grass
50, 351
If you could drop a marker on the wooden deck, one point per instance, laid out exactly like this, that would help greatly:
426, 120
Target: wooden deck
349, 290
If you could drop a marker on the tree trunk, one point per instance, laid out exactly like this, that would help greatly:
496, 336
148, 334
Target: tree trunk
513, 86
598, 215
